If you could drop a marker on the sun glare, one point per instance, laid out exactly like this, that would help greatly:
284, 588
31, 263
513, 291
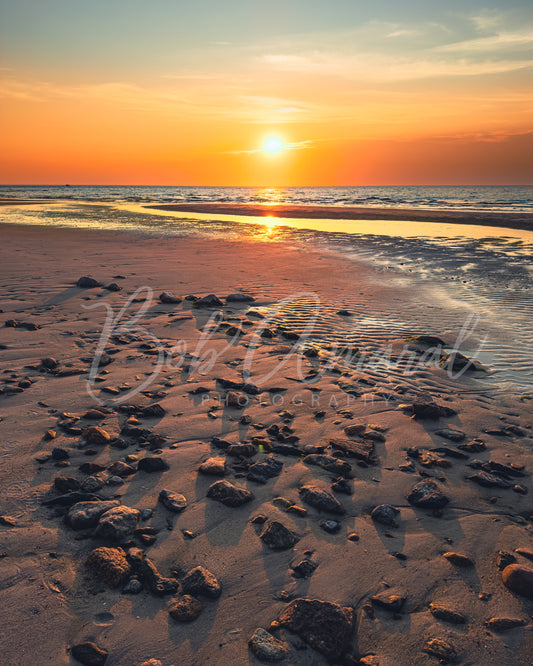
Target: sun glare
273, 145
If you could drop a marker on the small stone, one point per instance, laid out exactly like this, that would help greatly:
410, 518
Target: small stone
278, 537
213, 467
83, 515
92, 484
200, 581
385, 514
133, 586
259, 519
329, 463
320, 499
185, 608
152, 464
390, 602
267, 648
113, 286
172, 501
327, 627
451, 434
239, 298
237, 450
209, 301
226, 493
60, 454
88, 653
49, 363
427, 410
487, 480
8, 521
330, 526
504, 559
360, 450
117, 524
519, 579
168, 298
304, 568
457, 361
458, 559
115, 481
500, 624
525, 552
441, 649
427, 495
353, 536
110, 565
49, 435
86, 282
153, 411
355, 430
94, 435
269, 468
520, 489
121, 469
342, 486
446, 614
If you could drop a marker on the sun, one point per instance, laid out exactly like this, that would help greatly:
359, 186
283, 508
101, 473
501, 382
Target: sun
273, 145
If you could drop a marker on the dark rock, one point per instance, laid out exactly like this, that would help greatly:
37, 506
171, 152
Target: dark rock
94, 415
344, 313
286, 450
446, 614
200, 581
267, 648
427, 495
304, 568
385, 514
475, 446
525, 552
88, 653
228, 494
152, 464
152, 579
172, 501
329, 463
493, 467
251, 389
239, 298
153, 411
429, 340
269, 468
489, 480
504, 559
246, 450
355, 430
458, 560
441, 649
451, 434
91, 468
220, 443
500, 624
325, 626
519, 579
168, 298
427, 410
72, 498
209, 301
113, 286
389, 602
65, 484
92, 484
213, 467
520, 489
185, 608
110, 565
278, 537
236, 400
94, 435
457, 361
342, 486
121, 469
117, 524
133, 586
49, 363
320, 499
87, 283
360, 450
330, 526
83, 515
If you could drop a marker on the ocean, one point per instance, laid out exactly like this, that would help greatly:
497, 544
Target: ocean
479, 198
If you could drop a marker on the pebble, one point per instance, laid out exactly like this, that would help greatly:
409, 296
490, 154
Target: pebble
446, 614
278, 537
133, 586
86, 282
427, 495
458, 559
451, 434
168, 298
330, 526
500, 624
110, 565
94, 435
304, 568
121, 469
92, 484
117, 524
320, 499
152, 464
390, 602
226, 493
329, 463
88, 653
267, 648
213, 467
172, 501
84, 515
441, 649
269, 468
385, 514
519, 579
360, 450
185, 608
200, 581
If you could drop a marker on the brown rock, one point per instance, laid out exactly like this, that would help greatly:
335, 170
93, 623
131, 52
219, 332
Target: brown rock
325, 626
213, 467
499, 624
228, 494
519, 579
446, 614
458, 559
354, 430
360, 450
441, 649
185, 608
89, 654
201, 581
110, 565
94, 435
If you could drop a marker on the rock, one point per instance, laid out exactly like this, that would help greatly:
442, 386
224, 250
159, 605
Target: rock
65, 484
117, 524
525, 552
154, 411
8, 521
200, 581
320, 499
152, 662
168, 298
278, 537
493, 467
389, 602
325, 626
330, 526
213, 467
342, 486
49, 363
91, 468
500, 624
441, 649
458, 559
87, 283
92, 484
427, 410
269, 468
385, 514
519, 579
239, 298
457, 361
228, 494
185, 608
245, 450
69, 499
503, 559
344, 313
360, 450
329, 463
355, 430
236, 400
94, 435
110, 565
94, 415
429, 340
172, 501
49, 435
113, 286
133, 586
88, 653
427, 495
487, 480
304, 568
520, 489
84, 515
446, 614
209, 301
60, 454
451, 434
148, 573
267, 648
121, 469
152, 464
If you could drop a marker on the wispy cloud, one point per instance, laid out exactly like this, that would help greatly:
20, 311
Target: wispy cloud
298, 145
503, 40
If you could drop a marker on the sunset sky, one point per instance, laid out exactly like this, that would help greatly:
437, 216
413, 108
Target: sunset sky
168, 92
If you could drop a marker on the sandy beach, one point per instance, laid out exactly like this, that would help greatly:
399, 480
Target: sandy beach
393, 494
